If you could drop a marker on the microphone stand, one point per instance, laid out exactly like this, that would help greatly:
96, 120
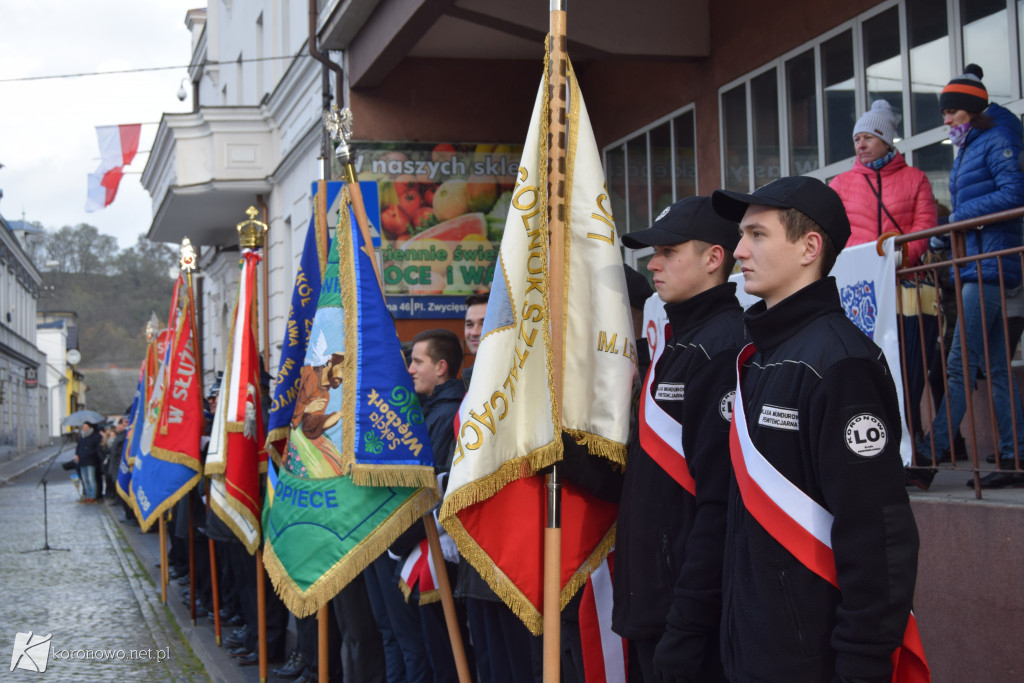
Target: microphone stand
46, 533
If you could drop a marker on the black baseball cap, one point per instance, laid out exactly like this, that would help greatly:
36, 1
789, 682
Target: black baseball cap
688, 219
809, 196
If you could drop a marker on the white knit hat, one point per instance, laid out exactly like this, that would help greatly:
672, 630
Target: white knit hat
879, 121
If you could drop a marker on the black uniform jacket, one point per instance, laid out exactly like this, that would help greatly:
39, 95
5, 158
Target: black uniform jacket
666, 537
821, 407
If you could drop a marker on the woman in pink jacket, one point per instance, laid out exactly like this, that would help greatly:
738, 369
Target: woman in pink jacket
882, 194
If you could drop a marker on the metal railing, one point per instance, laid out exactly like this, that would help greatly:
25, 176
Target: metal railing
966, 454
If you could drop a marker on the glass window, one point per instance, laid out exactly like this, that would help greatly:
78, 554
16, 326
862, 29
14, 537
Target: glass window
764, 100
803, 113
840, 97
639, 191
661, 167
928, 34
615, 170
937, 161
634, 186
986, 44
734, 132
686, 155
882, 68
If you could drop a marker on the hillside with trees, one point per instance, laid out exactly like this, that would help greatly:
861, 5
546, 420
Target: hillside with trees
112, 290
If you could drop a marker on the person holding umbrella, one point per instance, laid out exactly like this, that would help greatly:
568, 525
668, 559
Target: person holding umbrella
87, 455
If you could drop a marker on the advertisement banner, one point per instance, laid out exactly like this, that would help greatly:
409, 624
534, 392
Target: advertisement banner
442, 214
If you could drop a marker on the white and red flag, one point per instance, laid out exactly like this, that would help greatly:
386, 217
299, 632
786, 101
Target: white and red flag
508, 427
236, 457
118, 146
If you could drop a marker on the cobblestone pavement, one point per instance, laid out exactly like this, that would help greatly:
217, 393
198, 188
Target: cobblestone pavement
94, 599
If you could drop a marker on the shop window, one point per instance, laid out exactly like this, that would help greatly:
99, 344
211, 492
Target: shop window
651, 169
661, 167
928, 38
639, 211
986, 43
764, 98
840, 105
685, 160
883, 69
802, 106
734, 134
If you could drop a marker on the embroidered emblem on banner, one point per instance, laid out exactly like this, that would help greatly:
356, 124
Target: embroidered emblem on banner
670, 392
861, 307
865, 435
779, 418
725, 405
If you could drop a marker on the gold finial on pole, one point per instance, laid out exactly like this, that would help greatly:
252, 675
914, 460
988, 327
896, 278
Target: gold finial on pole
151, 326
251, 232
188, 256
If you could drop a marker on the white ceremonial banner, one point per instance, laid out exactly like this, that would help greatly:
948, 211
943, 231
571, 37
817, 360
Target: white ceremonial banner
868, 290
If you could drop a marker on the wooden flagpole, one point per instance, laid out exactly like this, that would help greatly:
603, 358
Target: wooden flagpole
557, 105
322, 645
187, 262
163, 559
339, 123
252, 235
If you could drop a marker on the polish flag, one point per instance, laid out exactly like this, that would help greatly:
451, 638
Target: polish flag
118, 146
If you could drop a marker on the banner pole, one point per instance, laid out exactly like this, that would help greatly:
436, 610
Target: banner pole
163, 559
323, 661
447, 600
339, 123
557, 105
191, 561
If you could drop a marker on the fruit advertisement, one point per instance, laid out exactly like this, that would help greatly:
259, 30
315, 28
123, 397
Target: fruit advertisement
442, 214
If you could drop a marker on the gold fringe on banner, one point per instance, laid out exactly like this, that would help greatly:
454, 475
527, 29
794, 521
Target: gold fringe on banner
406, 476
349, 368
486, 487
600, 446
305, 603
176, 457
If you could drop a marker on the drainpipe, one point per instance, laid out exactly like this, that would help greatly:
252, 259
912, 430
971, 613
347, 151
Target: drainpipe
325, 145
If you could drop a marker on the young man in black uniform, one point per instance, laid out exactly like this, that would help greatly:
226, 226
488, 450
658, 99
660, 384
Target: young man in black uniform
821, 549
671, 525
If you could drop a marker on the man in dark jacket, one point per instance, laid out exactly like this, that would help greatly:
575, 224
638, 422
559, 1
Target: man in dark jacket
87, 455
821, 544
671, 525
420, 630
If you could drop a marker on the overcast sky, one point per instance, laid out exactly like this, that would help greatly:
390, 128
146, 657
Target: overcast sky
48, 141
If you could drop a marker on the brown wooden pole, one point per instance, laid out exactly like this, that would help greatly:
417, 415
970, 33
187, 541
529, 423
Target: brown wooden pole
191, 562
261, 611
163, 559
215, 588
557, 106
322, 645
451, 619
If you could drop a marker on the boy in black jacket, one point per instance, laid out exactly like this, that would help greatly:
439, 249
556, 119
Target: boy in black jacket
671, 525
821, 549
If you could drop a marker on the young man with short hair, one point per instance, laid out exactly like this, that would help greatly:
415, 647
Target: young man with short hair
671, 525
821, 549
476, 309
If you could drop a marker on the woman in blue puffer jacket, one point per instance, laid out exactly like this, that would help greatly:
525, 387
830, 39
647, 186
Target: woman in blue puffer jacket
986, 178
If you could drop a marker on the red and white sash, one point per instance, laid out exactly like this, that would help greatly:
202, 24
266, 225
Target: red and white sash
661, 436
418, 568
800, 524
604, 651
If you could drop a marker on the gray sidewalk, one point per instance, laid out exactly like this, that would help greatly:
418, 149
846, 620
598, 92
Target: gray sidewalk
102, 595
93, 599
